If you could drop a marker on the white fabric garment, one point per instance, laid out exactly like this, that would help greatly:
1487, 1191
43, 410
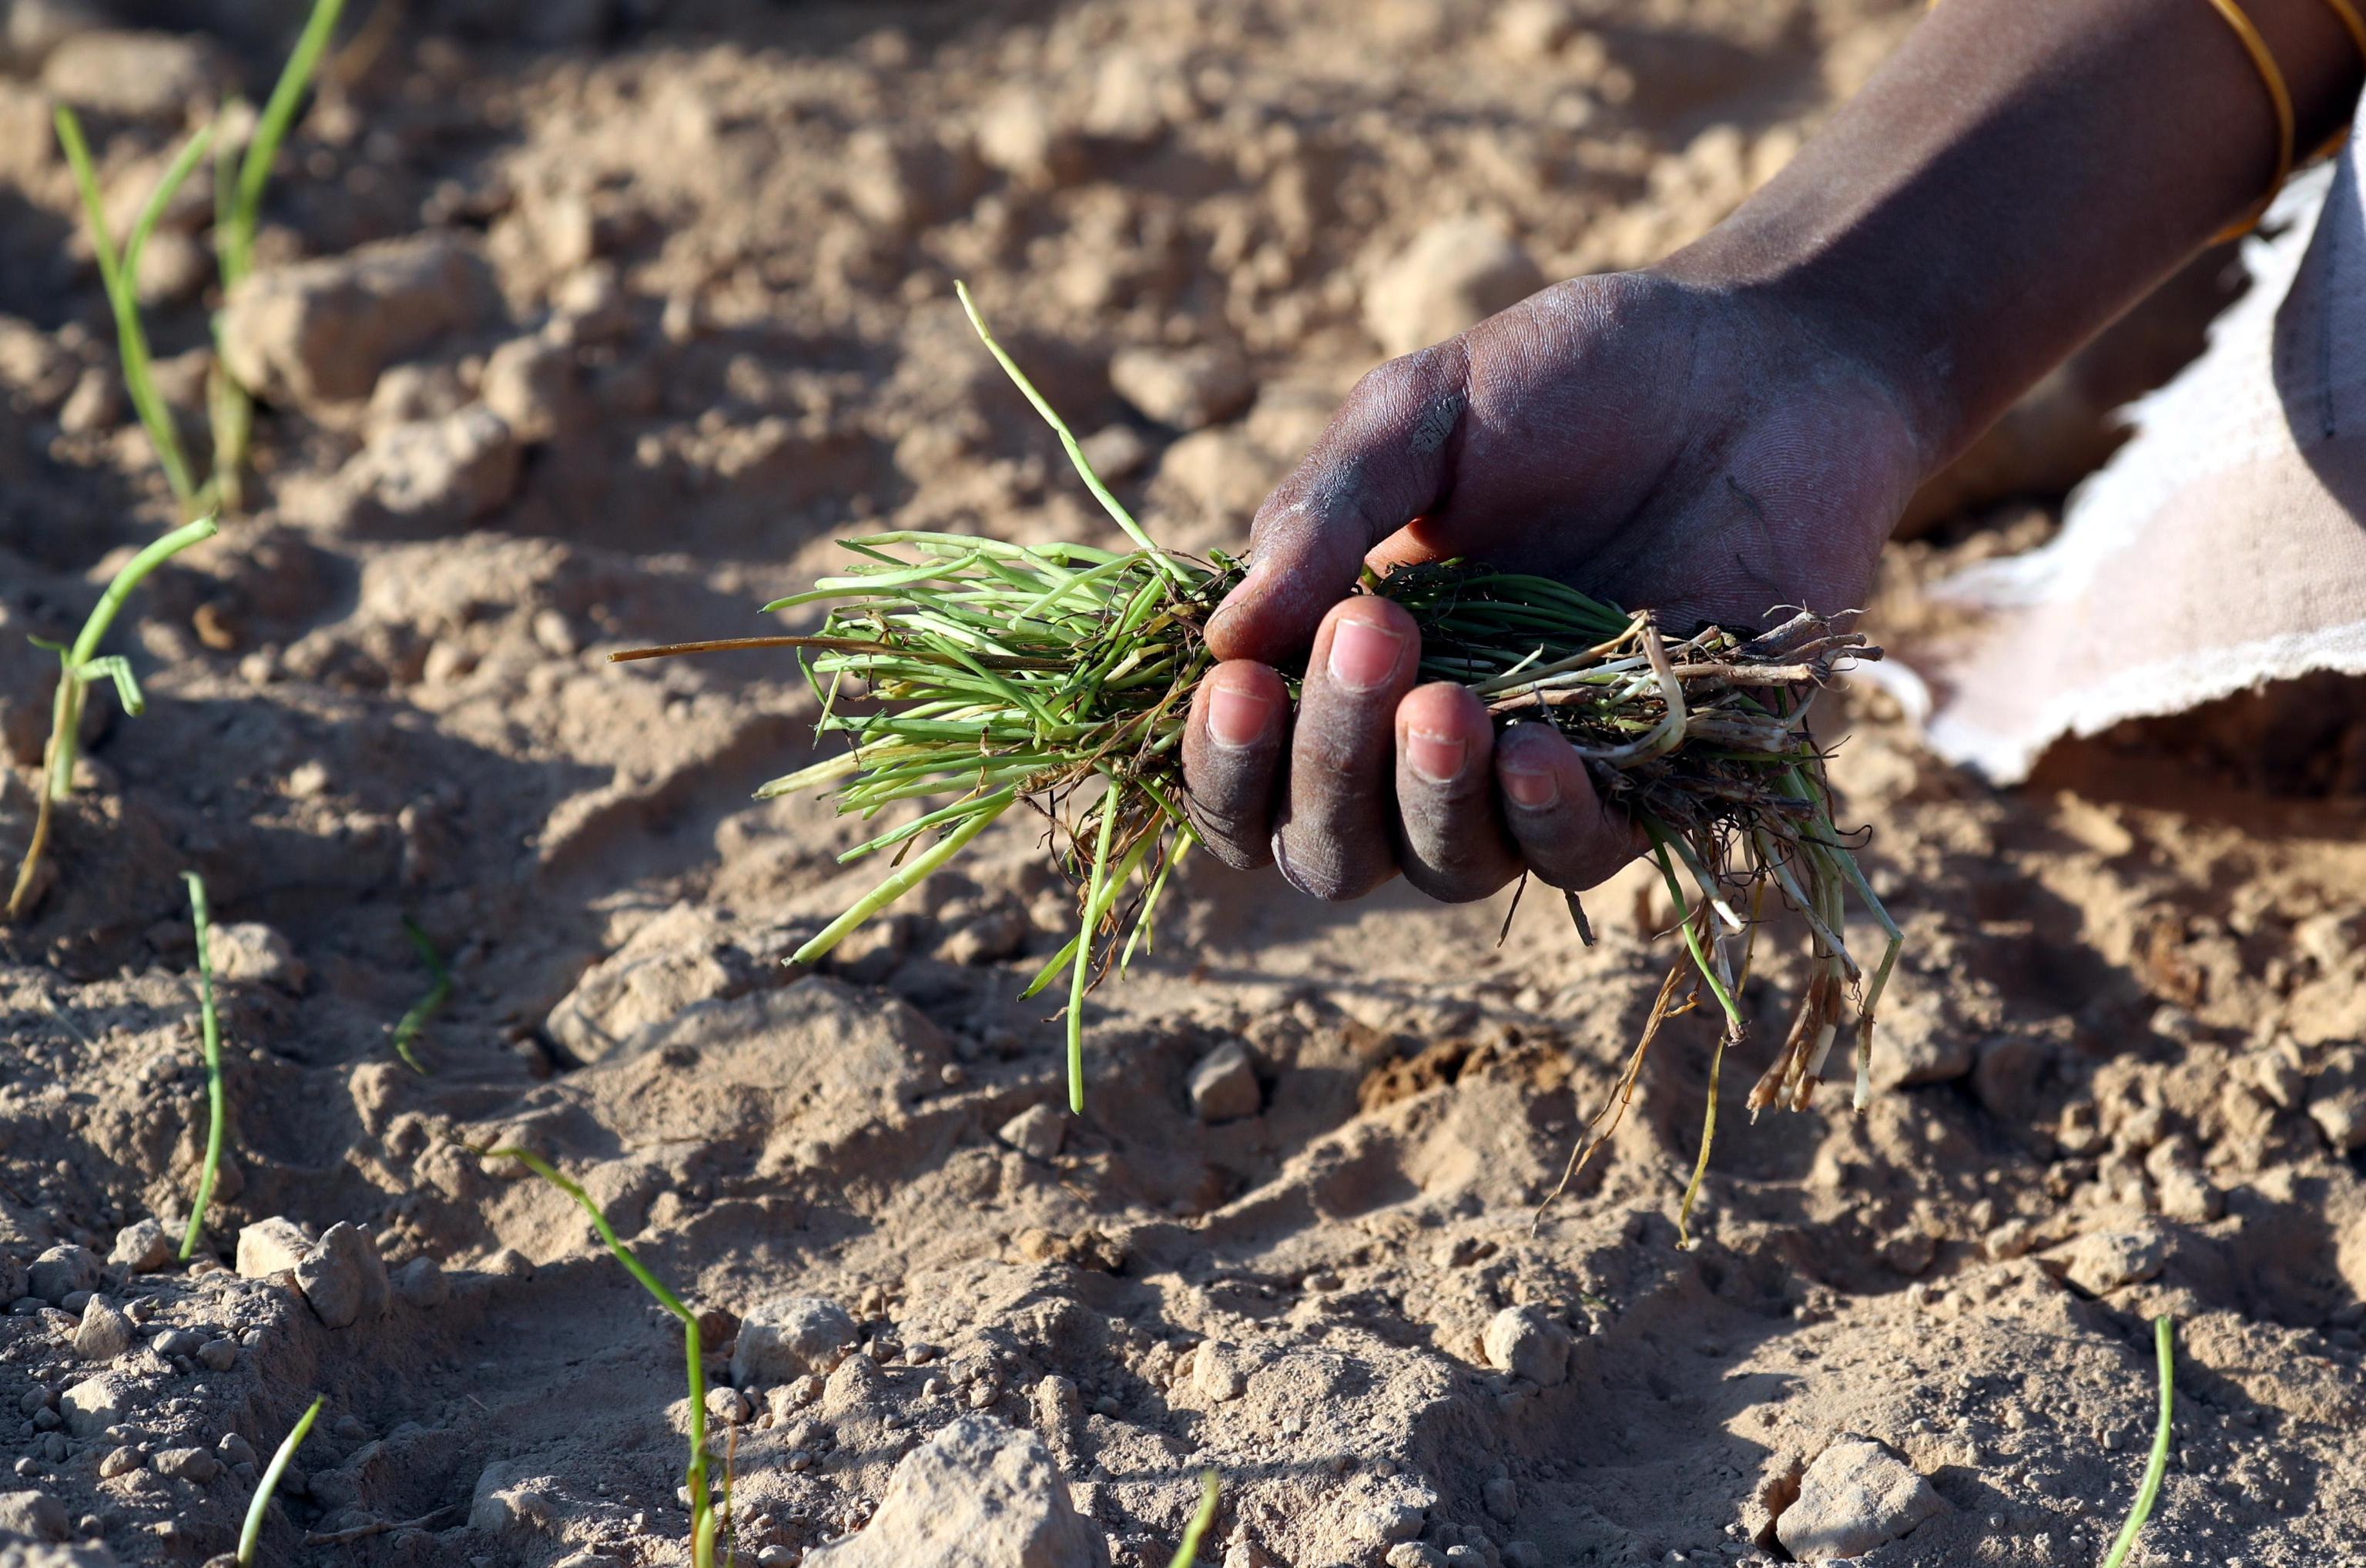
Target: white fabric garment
2220, 548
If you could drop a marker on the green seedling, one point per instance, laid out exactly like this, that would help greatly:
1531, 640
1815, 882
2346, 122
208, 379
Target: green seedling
706, 1515
1188, 1554
201, 917
119, 273
239, 191
270, 1481
408, 1029
2148, 1490
238, 214
79, 667
1061, 676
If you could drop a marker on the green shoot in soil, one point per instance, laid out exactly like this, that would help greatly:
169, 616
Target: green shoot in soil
202, 919
704, 1519
270, 1481
408, 1029
990, 674
1188, 1554
79, 667
118, 274
2148, 1490
238, 211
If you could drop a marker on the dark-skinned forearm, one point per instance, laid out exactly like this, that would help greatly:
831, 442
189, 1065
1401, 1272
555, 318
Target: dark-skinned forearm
2016, 174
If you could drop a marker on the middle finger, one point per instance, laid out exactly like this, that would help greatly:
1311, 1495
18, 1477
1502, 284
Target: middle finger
1337, 838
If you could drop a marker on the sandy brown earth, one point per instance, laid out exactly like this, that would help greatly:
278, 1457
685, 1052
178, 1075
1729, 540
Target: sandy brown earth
595, 330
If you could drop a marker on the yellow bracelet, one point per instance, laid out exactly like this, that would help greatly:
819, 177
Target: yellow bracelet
2279, 95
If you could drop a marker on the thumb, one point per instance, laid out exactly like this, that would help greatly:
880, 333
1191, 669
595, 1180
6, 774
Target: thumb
1383, 461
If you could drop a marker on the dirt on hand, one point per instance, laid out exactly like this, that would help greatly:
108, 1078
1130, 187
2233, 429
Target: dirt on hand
596, 326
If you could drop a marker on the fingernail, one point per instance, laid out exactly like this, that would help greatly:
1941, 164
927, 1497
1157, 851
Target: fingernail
1533, 788
1235, 718
1435, 757
1363, 656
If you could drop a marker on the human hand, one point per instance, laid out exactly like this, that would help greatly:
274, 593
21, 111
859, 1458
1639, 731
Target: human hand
1661, 445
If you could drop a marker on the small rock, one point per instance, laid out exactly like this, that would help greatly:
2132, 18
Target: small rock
94, 406
1187, 389
119, 1461
1534, 29
1117, 452
2011, 1239
343, 1276
196, 1465
322, 330
104, 1333
1017, 134
422, 1282
2103, 1261
1224, 1084
2187, 1194
1395, 1518
1856, 1496
530, 383
1037, 1132
271, 1247
980, 1492
175, 1342
900, 180
2340, 1116
508, 1263
1455, 274
252, 951
93, 1404
1523, 1342
433, 476
1217, 1373
61, 1271
1414, 1554
234, 1449
509, 1496
681, 956
408, 394
219, 1354
33, 1515
138, 75
142, 1246
788, 1337
729, 1407
1503, 1497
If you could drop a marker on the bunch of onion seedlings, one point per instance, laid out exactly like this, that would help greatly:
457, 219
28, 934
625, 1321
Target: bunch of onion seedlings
1057, 678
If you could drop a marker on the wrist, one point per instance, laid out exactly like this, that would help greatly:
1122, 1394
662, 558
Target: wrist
1826, 339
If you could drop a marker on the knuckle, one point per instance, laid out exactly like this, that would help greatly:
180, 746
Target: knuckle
1389, 381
